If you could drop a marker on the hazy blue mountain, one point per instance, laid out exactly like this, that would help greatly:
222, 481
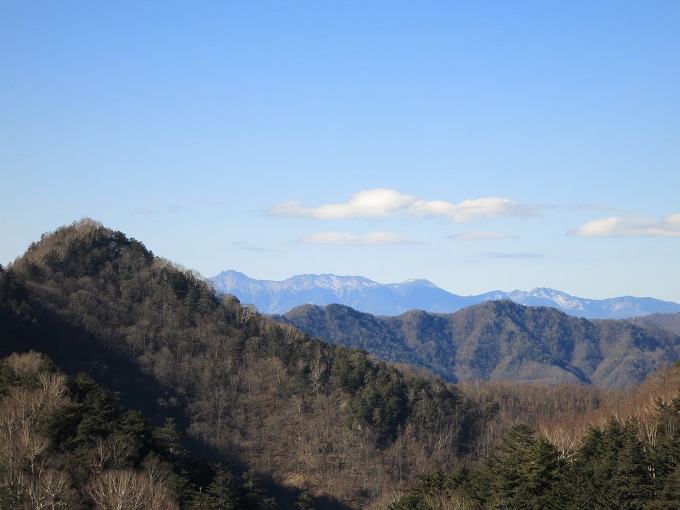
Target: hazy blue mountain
278, 297
612, 308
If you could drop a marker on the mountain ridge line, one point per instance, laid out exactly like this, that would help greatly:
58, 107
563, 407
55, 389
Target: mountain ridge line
280, 296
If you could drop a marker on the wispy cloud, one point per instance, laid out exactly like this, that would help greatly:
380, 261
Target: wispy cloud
339, 238
385, 203
596, 207
631, 226
481, 235
471, 210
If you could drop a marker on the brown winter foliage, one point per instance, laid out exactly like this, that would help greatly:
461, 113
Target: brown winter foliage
252, 393
248, 392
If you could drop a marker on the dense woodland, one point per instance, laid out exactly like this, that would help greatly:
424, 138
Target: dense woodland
502, 340
67, 443
281, 418
625, 455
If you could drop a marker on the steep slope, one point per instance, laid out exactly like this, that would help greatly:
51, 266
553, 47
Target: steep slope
499, 340
247, 392
78, 449
278, 297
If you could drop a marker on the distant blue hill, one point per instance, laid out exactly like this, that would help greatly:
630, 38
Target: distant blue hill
362, 294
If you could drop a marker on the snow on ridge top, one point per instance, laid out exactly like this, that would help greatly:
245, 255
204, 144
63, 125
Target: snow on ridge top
569, 302
391, 298
352, 282
417, 281
331, 281
546, 292
562, 299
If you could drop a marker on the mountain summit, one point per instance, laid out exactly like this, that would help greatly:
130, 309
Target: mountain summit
362, 294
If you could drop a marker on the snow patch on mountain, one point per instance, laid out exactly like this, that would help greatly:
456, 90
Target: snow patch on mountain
278, 297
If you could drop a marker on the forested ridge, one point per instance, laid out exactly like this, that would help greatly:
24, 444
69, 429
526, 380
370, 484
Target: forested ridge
501, 340
319, 425
243, 390
665, 321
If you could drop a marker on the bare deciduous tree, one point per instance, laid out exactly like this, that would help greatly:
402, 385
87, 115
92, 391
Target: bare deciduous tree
125, 489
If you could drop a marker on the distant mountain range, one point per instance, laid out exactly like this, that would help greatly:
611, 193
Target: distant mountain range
362, 294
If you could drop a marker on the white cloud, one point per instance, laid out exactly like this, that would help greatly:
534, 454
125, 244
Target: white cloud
471, 210
339, 238
481, 235
377, 203
385, 203
631, 226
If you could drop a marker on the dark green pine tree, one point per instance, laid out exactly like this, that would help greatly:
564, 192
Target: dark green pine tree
524, 472
630, 481
588, 475
668, 495
418, 497
167, 441
223, 493
665, 459
92, 414
612, 470
255, 496
305, 501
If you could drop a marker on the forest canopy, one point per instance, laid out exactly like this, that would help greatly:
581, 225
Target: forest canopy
157, 366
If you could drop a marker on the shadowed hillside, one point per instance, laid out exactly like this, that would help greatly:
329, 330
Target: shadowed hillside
245, 391
66, 443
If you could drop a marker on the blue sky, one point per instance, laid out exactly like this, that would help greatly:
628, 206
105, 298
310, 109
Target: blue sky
480, 145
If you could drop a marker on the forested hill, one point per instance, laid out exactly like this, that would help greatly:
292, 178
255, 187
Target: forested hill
500, 340
313, 420
666, 321
319, 425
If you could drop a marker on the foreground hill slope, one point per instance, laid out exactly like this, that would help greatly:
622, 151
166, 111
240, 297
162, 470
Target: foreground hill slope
67, 444
499, 340
278, 297
245, 391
